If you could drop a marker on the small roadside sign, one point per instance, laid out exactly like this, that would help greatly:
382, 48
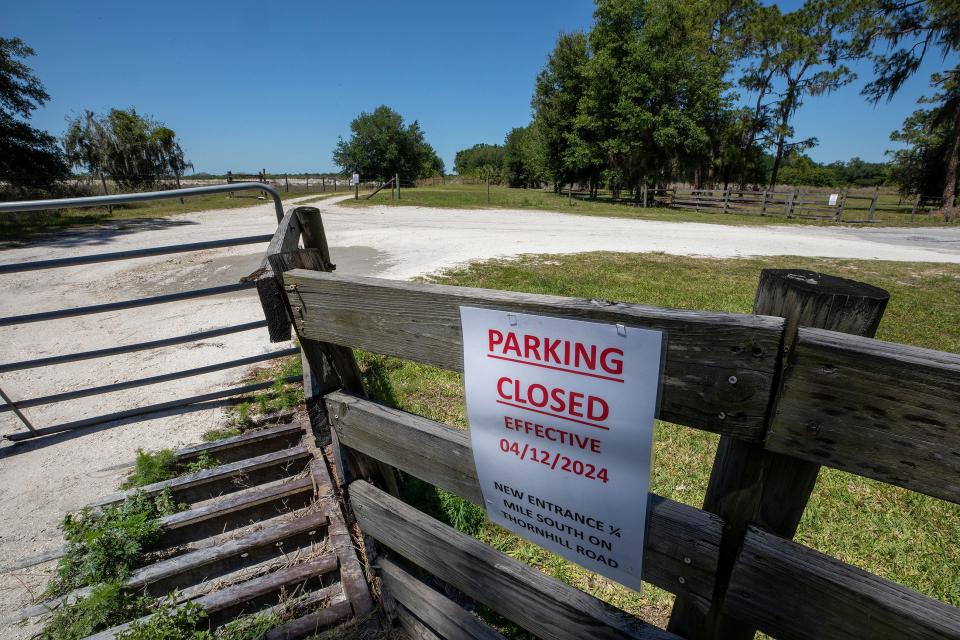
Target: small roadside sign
355, 179
833, 199
561, 419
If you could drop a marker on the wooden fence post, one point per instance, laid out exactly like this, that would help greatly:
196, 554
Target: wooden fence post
726, 199
751, 485
788, 203
396, 181
644, 195
873, 204
841, 201
763, 203
916, 205
286, 182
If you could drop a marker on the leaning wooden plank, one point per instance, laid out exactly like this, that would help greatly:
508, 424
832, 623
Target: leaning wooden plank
246, 445
540, 604
441, 614
286, 238
247, 596
792, 592
877, 409
226, 478
208, 563
719, 366
682, 543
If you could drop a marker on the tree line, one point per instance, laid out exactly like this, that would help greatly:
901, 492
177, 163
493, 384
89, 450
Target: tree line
706, 92
133, 151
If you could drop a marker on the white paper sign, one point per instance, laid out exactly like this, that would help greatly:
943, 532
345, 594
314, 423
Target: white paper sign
561, 421
355, 179
833, 199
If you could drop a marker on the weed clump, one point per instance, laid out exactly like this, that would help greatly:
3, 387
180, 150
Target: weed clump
157, 466
104, 545
108, 605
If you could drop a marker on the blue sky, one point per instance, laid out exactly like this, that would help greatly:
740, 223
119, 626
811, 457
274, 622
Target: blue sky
251, 85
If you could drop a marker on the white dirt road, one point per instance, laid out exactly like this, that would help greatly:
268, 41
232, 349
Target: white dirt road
39, 482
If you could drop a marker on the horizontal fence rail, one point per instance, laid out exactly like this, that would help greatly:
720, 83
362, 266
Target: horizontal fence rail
130, 348
791, 591
131, 254
141, 382
878, 409
148, 409
146, 196
719, 366
126, 304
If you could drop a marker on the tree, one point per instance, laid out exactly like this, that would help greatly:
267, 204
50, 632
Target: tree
921, 167
654, 92
381, 146
905, 31
521, 157
556, 99
134, 151
29, 158
469, 162
804, 52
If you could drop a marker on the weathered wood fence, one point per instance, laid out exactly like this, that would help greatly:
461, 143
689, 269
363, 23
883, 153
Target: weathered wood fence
792, 387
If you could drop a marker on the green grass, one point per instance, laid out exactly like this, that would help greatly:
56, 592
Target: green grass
22, 226
904, 536
460, 196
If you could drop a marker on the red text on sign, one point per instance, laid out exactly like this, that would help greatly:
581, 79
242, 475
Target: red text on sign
557, 399
556, 351
553, 434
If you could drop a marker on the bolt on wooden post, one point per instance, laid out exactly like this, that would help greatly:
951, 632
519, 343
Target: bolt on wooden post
749, 484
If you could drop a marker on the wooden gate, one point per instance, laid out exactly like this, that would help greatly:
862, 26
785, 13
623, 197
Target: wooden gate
785, 396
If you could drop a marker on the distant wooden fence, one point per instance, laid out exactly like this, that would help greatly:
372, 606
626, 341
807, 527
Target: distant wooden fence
840, 206
796, 386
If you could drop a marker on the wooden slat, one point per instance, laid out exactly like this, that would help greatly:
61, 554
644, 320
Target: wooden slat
312, 623
544, 606
682, 543
244, 597
792, 592
877, 409
235, 510
719, 366
245, 445
442, 615
226, 478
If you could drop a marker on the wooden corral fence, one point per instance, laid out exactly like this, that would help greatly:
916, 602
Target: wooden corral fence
843, 205
19, 406
796, 385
